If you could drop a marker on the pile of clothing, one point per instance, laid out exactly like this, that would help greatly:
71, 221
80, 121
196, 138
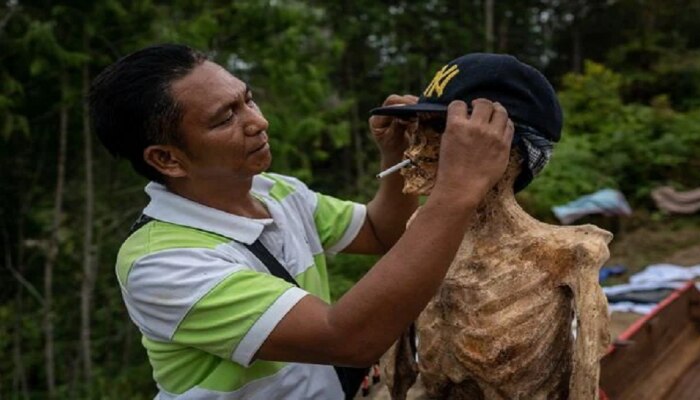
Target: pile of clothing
670, 200
648, 287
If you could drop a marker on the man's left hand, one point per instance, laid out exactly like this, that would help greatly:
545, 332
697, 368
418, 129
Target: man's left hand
390, 132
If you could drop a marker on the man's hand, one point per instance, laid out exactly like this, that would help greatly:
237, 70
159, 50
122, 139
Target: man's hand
474, 151
390, 132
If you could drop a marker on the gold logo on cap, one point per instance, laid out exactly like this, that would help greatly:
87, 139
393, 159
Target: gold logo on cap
440, 80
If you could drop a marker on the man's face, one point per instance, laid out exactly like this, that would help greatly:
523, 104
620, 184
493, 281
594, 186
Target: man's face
424, 151
223, 129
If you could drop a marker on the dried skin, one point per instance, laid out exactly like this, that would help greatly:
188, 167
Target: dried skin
500, 325
423, 151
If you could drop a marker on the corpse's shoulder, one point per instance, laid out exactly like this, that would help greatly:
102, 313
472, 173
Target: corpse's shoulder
584, 234
585, 245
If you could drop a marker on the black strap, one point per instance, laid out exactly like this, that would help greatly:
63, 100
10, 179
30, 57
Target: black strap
350, 378
142, 220
264, 255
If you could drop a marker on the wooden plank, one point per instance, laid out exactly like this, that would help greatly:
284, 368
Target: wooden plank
661, 348
688, 386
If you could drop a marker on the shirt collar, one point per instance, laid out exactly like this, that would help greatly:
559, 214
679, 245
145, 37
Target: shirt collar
169, 207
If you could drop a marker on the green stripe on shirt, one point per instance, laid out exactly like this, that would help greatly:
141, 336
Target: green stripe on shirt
178, 368
221, 318
315, 279
332, 218
281, 189
157, 236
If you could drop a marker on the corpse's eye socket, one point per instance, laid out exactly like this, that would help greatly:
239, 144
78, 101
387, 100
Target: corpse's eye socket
435, 124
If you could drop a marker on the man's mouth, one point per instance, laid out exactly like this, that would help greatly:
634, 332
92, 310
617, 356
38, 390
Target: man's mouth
264, 145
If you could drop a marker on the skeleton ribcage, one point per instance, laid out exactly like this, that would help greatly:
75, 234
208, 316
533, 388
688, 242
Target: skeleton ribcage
497, 332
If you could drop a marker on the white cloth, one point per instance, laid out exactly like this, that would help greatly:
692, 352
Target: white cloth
653, 277
666, 273
628, 306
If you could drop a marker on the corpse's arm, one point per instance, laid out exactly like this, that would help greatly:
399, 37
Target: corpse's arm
593, 335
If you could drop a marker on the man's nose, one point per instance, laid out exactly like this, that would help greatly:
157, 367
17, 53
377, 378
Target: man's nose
255, 122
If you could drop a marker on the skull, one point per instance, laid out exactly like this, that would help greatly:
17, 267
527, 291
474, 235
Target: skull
423, 150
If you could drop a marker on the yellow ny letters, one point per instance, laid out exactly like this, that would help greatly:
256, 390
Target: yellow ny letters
440, 80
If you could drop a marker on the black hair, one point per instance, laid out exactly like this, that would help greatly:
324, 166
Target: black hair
131, 105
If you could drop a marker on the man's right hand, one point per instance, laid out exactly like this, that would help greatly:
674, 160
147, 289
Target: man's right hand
474, 150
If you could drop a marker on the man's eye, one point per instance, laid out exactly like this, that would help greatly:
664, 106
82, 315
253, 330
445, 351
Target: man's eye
228, 119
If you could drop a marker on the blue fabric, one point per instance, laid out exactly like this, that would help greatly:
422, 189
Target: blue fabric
607, 202
607, 272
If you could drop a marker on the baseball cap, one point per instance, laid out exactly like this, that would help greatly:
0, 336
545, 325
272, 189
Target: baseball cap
520, 88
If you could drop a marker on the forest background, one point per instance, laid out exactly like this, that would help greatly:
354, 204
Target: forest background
627, 72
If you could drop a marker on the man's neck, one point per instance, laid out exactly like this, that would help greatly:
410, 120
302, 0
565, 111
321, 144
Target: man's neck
233, 197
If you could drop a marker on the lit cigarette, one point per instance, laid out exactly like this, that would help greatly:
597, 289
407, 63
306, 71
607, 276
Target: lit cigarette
393, 169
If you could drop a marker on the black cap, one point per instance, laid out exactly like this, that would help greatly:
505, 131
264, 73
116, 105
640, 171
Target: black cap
523, 91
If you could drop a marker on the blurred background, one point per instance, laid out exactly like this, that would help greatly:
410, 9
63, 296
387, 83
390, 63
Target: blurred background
627, 73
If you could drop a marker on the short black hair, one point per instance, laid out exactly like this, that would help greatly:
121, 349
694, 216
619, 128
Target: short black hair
131, 106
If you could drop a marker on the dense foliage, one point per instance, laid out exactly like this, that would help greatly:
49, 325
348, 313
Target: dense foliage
628, 74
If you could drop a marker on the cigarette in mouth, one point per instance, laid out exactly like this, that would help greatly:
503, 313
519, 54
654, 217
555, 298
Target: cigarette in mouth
393, 169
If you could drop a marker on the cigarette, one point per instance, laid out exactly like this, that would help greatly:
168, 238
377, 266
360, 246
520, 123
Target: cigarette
394, 168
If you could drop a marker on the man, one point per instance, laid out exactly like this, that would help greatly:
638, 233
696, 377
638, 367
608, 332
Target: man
215, 322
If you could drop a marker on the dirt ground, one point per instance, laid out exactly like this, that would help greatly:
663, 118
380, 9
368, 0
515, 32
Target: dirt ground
671, 240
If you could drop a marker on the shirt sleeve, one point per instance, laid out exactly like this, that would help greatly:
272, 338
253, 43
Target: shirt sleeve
196, 298
337, 221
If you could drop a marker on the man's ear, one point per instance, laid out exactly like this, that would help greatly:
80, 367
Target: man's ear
166, 159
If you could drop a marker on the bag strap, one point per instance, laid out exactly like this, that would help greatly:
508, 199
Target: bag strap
264, 255
142, 220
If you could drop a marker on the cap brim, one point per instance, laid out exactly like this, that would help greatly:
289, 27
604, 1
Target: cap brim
410, 110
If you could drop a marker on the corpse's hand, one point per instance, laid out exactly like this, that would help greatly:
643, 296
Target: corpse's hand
390, 132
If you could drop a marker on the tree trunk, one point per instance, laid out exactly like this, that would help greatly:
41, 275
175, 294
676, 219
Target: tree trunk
13, 7
488, 25
52, 252
503, 31
576, 56
19, 377
128, 338
357, 135
89, 266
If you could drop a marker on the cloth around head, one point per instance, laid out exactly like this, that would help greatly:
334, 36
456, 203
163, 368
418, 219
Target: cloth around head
523, 91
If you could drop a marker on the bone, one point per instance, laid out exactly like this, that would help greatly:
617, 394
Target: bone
500, 326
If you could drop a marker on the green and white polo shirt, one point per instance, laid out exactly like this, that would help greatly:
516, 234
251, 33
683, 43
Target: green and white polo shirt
205, 304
